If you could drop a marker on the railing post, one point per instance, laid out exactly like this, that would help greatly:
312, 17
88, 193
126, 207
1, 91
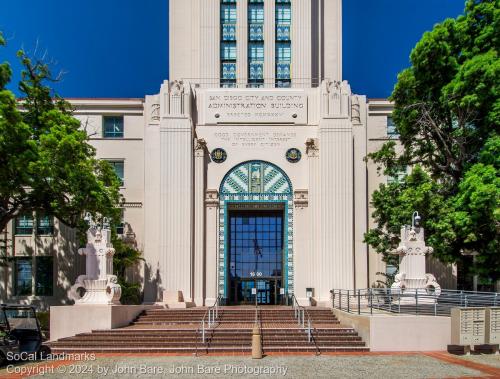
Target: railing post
333, 299
416, 301
359, 302
389, 297
465, 301
309, 330
371, 300
435, 306
399, 303
203, 332
348, 303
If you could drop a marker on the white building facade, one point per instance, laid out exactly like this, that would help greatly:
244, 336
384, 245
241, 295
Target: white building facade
245, 175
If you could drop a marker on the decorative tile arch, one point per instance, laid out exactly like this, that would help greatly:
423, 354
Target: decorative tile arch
258, 185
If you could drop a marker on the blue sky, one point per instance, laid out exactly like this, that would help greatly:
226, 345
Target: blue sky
119, 48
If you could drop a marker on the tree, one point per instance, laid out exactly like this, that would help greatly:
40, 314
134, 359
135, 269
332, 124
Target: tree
46, 162
126, 256
447, 114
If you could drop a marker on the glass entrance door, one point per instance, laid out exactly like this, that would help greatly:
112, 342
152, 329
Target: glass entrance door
256, 256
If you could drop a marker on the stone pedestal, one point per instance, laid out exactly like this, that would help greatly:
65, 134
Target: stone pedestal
175, 300
412, 278
98, 285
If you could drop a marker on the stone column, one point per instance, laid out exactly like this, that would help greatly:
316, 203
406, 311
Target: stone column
199, 221
212, 243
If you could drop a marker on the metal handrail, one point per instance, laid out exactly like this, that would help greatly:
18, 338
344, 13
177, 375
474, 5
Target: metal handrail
213, 315
300, 313
421, 301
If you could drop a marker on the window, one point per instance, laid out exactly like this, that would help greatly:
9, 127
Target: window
228, 13
283, 52
283, 43
119, 167
399, 177
228, 51
112, 127
120, 228
256, 13
228, 18
283, 13
23, 276
391, 127
24, 224
44, 224
44, 278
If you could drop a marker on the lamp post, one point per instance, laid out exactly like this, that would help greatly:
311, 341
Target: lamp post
415, 220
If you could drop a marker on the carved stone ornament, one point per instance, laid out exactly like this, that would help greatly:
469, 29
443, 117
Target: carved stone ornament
177, 88
98, 285
312, 147
155, 112
301, 199
212, 198
412, 278
355, 110
200, 145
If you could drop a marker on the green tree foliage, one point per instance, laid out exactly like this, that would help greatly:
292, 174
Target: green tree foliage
126, 256
46, 161
447, 112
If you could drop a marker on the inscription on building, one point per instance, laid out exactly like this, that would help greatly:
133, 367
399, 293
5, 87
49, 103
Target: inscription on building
249, 106
256, 139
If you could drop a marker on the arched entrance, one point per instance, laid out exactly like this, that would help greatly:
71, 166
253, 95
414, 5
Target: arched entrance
256, 234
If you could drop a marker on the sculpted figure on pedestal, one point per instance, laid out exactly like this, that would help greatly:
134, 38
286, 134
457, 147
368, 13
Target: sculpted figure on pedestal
98, 285
412, 277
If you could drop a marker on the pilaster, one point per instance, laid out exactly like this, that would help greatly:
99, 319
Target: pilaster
176, 189
212, 241
301, 43
269, 42
242, 42
200, 147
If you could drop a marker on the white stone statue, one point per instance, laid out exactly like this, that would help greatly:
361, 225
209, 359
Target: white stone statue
99, 285
412, 277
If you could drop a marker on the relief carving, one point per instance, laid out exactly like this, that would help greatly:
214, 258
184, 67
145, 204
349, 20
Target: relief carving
312, 147
211, 198
301, 199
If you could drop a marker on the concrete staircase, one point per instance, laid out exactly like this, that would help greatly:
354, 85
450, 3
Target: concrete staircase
177, 331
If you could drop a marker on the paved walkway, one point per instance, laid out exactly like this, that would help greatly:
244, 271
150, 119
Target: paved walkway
339, 365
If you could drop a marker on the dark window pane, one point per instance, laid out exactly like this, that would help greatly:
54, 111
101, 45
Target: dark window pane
22, 276
44, 278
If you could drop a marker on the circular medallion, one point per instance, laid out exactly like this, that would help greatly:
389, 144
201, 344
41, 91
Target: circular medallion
293, 155
218, 155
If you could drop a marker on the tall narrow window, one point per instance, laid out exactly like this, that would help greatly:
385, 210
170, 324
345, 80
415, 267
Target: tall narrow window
44, 278
391, 127
228, 43
119, 167
283, 43
23, 276
256, 43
